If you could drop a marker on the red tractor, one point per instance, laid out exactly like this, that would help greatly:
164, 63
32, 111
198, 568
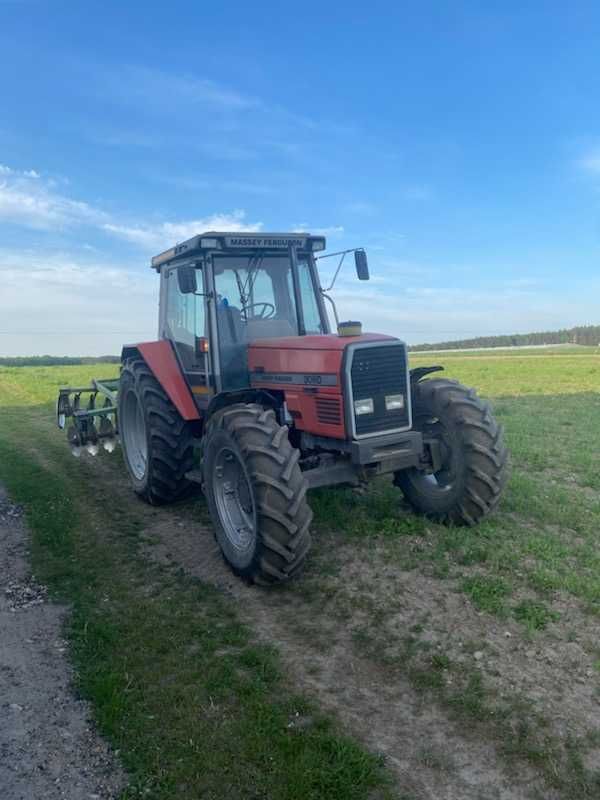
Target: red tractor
249, 393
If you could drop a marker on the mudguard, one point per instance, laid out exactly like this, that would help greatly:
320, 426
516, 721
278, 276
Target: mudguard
161, 359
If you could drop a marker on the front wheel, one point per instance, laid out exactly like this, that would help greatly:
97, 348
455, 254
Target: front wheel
471, 457
256, 494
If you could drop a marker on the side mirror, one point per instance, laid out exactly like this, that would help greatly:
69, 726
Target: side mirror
362, 265
186, 280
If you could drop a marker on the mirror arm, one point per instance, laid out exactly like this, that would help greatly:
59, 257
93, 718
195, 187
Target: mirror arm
335, 314
343, 254
337, 272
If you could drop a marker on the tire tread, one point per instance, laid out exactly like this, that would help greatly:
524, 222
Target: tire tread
170, 440
279, 487
486, 466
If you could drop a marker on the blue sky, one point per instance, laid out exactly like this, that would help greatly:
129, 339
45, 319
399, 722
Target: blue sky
458, 142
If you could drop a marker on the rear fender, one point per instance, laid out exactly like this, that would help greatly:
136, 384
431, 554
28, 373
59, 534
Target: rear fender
162, 361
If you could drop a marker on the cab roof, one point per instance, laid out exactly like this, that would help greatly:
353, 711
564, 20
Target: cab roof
235, 240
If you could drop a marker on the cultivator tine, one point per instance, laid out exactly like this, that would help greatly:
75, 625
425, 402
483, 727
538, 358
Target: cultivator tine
74, 441
106, 431
92, 433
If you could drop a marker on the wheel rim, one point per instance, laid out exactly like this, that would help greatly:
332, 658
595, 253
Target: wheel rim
234, 501
133, 427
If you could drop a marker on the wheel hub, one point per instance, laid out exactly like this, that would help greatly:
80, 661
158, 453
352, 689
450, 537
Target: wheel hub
443, 476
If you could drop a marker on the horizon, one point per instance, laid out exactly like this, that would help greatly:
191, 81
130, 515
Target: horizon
459, 145
424, 347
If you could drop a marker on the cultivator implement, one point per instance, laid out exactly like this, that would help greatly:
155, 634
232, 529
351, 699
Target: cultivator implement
92, 411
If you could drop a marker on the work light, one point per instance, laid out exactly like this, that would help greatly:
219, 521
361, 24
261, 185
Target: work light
394, 402
364, 406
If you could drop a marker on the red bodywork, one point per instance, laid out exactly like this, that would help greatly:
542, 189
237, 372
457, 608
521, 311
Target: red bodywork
316, 408
307, 369
162, 361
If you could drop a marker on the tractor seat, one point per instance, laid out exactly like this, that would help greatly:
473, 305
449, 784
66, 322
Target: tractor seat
231, 328
232, 346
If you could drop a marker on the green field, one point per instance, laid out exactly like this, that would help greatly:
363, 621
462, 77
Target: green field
409, 660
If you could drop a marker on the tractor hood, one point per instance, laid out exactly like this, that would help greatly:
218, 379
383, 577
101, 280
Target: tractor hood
310, 370
329, 341
302, 355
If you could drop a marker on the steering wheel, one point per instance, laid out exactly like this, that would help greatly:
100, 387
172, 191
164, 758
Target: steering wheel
267, 310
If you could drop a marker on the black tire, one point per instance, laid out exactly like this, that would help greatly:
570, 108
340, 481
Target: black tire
474, 467
252, 477
157, 443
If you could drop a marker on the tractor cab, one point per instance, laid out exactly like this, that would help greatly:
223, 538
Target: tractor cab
220, 292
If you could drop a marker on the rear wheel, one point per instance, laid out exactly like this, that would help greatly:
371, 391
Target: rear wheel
156, 441
472, 459
256, 494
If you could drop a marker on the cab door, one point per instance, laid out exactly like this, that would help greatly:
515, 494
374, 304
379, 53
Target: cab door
184, 323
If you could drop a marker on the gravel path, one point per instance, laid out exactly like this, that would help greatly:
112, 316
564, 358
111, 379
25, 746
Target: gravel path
48, 746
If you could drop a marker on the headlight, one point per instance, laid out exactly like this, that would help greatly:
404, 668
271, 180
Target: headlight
394, 402
363, 406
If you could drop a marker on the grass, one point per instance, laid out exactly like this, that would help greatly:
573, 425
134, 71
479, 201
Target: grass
152, 644
194, 703
487, 593
534, 614
515, 373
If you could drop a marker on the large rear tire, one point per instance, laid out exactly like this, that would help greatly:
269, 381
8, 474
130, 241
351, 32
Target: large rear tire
256, 494
157, 443
468, 483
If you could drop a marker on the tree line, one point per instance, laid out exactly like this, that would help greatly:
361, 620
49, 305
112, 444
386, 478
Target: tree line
52, 361
582, 334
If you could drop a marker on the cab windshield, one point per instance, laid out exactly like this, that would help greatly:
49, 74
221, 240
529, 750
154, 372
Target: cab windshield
255, 300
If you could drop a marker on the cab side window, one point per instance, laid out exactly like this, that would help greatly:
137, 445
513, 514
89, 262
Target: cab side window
185, 318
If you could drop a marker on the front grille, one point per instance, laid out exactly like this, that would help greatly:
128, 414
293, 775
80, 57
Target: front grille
329, 410
375, 372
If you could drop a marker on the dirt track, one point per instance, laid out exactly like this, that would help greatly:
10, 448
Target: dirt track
48, 746
430, 756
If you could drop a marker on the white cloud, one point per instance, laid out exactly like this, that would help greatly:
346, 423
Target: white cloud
78, 304
26, 200
28, 173
440, 313
167, 233
73, 306
332, 230
157, 88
